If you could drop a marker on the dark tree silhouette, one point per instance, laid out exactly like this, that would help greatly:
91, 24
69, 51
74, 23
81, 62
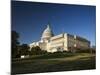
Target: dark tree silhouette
37, 50
24, 49
14, 44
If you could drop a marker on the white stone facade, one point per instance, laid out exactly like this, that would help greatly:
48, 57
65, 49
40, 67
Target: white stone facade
61, 42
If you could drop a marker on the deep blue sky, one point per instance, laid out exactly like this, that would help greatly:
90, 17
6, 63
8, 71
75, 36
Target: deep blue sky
29, 19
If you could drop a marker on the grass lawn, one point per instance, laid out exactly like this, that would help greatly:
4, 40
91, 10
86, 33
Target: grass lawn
54, 63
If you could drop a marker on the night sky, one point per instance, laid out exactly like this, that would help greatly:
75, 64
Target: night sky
29, 19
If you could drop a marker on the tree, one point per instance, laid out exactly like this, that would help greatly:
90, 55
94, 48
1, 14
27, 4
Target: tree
37, 50
33, 51
14, 43
24, 49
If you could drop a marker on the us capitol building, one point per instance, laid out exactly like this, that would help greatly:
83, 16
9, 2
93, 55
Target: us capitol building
61, 42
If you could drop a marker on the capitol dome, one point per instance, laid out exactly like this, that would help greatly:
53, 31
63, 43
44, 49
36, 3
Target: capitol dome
47, 33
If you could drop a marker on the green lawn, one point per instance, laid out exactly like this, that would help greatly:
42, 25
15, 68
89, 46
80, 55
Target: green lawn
54, 62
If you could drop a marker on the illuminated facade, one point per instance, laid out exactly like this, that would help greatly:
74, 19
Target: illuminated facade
61, 42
